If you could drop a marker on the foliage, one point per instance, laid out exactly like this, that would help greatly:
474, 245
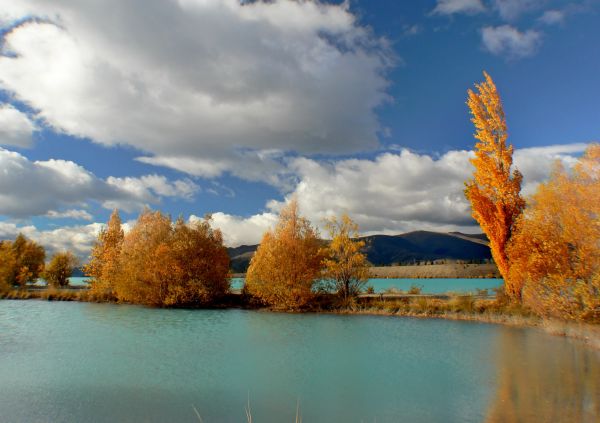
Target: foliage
172, 265
21, 261
287, 263
60, 268
104, 264
494, 191
555, 251
8, 264
345, 265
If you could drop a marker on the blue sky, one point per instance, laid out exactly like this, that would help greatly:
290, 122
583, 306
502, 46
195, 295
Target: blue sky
206, 106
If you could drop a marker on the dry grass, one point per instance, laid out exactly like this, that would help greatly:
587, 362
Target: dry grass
452, 270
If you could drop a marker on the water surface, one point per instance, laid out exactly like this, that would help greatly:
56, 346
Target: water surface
104, 363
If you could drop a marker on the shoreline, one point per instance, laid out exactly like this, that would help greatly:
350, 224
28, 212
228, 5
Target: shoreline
448, 307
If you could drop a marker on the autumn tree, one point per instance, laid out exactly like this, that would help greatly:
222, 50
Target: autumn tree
104, 264
494, 191
555, 250
172, 265
60, 269
345, 265
28, 261
8, 263
287, 262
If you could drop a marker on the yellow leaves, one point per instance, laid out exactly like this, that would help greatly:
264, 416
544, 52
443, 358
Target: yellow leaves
555, 250
287, 262
494, 192
345, 265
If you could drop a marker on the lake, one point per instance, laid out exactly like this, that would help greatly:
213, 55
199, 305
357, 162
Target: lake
82, 362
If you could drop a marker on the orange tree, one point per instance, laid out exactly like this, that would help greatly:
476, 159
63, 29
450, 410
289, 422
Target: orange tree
494, 191
287, 263
555, 250
346, 266
60, 269
163, 264
103, 267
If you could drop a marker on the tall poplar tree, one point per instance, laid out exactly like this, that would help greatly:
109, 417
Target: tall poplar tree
494, 191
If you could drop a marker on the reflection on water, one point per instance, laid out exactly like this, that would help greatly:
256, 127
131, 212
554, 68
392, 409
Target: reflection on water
544, 380
105, 363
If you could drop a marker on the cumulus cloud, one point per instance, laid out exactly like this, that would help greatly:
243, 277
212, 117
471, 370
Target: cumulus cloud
233, 80
392, 193
552, 17
69, 214
508, 41
35, 188
77, 239
449, 7
16, 128
239, 230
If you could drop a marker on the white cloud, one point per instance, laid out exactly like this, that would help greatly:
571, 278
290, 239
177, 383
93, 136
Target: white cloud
513, 9
35, 188
16, 128
232, 80
393, 193
449, 7
552, 17
238, 230
509, 41
69, 214
77, 239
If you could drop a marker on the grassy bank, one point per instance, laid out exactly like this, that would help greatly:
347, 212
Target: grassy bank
429, 271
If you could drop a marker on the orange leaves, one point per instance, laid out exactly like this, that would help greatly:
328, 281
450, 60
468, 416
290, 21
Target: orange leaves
160, 263
494, 191
555, 250
287, 262
104, 267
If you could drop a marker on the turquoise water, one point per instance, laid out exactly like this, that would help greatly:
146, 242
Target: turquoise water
81, 362
429, 286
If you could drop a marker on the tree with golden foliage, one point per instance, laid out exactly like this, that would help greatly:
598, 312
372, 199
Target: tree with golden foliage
104, 264
287, 263
172, 265
60, 269
345, 265
21, 261
494, 191
8, 263
555, 250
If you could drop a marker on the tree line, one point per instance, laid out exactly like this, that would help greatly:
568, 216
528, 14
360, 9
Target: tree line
547, 247
22, 261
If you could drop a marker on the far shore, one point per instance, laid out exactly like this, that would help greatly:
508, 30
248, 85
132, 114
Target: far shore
429, 271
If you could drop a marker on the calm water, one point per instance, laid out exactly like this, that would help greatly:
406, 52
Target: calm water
104, 363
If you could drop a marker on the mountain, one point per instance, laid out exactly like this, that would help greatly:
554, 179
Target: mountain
386, 250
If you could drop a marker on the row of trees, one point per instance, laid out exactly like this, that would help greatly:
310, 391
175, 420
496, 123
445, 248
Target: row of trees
547, 248
161, 263
22, 261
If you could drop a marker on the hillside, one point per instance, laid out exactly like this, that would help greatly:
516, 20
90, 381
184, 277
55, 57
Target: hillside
408, 248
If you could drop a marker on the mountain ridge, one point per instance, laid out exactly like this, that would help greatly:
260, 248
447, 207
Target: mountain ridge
407, 248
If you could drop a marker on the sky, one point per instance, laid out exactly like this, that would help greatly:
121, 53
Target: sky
233, 107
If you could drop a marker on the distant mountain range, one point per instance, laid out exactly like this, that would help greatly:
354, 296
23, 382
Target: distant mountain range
408, 248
